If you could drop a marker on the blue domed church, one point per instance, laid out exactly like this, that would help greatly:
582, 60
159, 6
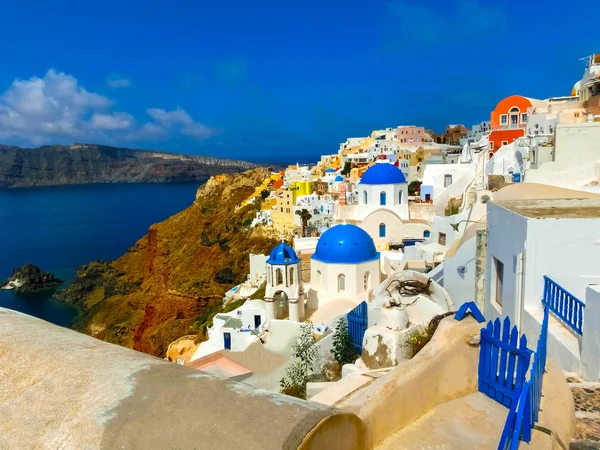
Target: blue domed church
345, 264
382, 209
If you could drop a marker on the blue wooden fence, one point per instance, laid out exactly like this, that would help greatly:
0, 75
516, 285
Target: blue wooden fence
357, 325
503, 362
524, 413
565, 305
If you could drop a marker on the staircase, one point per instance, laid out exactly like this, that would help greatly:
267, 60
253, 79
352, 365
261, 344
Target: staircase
587, 413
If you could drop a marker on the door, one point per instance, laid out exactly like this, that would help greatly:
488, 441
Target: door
257, 321
227, 341
427, 197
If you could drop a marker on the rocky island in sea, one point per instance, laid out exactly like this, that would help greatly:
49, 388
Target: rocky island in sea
29, 279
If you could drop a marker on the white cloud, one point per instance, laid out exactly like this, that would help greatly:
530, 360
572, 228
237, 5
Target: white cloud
178, 119
113, 121
57, 109
116, 83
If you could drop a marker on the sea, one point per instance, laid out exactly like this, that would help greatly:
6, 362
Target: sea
61, 228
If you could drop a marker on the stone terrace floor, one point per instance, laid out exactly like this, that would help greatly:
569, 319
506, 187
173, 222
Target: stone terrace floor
587, 414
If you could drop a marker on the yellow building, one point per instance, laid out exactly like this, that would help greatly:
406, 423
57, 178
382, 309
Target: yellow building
300, 188
283, 214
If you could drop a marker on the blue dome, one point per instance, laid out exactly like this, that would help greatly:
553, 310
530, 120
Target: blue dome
283, 254
345, 244
339, 178
383, 173
330, 170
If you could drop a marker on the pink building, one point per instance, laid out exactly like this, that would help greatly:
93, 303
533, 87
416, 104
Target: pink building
411, 135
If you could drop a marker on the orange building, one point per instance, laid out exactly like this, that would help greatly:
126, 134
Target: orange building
509, 120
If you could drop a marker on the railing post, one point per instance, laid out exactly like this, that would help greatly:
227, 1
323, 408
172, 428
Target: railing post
590, 341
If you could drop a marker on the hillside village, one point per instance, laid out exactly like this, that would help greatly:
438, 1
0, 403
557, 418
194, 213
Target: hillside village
401, 228
419, 290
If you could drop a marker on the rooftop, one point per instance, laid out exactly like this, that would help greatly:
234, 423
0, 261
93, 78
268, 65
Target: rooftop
571, 208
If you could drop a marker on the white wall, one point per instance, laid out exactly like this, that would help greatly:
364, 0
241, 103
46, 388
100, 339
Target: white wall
566, 250
461, 285
258, 266
590, 346
392, 191
354, 273
577, 143
507, 233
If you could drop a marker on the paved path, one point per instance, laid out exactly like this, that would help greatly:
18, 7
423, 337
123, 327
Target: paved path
587, 414
473, 422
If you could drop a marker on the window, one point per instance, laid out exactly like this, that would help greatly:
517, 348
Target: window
426, 234
318, 276
367, 281
442, 238
341, 282
382, 199
291, 275
491, 146
365, 197
503, 119
382, 230
400, 196
282, 209
498, 281
279, 277
524, 118
447, 180
504, 142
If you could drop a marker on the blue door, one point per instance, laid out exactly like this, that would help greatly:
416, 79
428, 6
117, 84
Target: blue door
357, 325
257, 321
227, 341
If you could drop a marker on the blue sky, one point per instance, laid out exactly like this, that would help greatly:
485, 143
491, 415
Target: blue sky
271, 80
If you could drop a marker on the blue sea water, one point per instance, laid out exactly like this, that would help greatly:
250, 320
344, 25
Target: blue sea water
61, 228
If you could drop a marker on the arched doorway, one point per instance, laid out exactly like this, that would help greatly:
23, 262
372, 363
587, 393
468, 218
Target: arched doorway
365, 197
382, 199
382, 230
282, 306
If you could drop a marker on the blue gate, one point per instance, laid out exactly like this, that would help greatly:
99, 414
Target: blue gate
503, 363
357, 325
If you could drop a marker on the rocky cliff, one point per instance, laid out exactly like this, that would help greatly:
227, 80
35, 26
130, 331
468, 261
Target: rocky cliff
88, 163
169, 282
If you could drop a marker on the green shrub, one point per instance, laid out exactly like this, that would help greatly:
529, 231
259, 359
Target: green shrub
343, 347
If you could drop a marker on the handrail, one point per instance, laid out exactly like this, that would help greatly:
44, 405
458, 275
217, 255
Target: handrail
564, 305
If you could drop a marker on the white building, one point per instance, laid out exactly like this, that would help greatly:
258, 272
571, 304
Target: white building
530, 239
573, 162
438, 177
476, 133
234, 330
297, 173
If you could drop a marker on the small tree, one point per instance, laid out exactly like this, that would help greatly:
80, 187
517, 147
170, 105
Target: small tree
306, 353
347, 168
414, 187
265, 194
343, 347
305, 216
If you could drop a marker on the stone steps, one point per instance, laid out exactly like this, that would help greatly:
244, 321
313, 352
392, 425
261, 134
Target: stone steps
587, 413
